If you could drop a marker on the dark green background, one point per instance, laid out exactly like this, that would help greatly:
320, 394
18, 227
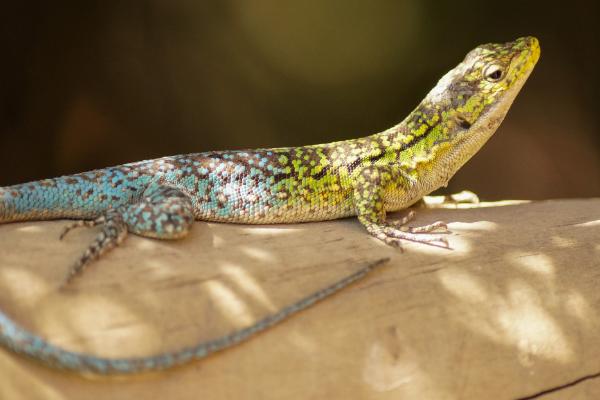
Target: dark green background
87, 84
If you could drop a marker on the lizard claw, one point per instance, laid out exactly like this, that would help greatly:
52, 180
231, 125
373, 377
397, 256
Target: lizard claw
394, 232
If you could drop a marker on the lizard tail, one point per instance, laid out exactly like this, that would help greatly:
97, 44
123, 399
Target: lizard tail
45, 200
82, 196
3, 205
21, 341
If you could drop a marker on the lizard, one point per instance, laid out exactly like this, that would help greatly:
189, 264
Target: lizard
364, 177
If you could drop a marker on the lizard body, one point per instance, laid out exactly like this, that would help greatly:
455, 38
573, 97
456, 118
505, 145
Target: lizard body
366, 177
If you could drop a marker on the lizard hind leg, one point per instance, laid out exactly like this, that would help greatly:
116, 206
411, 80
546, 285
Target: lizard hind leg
164, 212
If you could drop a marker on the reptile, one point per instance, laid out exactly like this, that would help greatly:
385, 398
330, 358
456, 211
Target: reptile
364, 177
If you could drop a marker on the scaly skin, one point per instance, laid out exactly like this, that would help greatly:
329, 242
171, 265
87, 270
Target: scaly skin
366, 177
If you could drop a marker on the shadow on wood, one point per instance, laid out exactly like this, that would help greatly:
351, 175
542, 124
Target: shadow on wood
511, 311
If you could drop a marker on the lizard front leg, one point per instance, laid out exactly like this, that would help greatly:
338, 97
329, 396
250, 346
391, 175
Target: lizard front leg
369, 190
163, 212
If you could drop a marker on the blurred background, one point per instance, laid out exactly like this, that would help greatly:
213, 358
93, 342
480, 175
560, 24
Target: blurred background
88, 84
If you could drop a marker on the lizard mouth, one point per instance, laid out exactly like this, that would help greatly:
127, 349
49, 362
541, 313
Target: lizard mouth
527, 58
521, 65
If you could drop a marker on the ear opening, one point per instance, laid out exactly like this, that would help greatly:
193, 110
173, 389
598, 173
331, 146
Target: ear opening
463, 122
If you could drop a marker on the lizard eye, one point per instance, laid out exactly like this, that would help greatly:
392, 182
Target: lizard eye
493, 72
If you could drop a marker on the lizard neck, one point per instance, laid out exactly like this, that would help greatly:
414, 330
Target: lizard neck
435, 141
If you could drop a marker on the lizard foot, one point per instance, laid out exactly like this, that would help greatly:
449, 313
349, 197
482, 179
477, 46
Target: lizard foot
163, 212
394, 237
400, 224
394, 232
79, 224
114, 231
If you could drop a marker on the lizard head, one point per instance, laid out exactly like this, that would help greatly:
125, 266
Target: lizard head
489, 79
467, 105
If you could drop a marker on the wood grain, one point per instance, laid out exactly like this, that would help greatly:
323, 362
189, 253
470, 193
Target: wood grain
511, 311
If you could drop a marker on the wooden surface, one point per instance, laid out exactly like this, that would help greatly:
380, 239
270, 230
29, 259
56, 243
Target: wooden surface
512, 311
